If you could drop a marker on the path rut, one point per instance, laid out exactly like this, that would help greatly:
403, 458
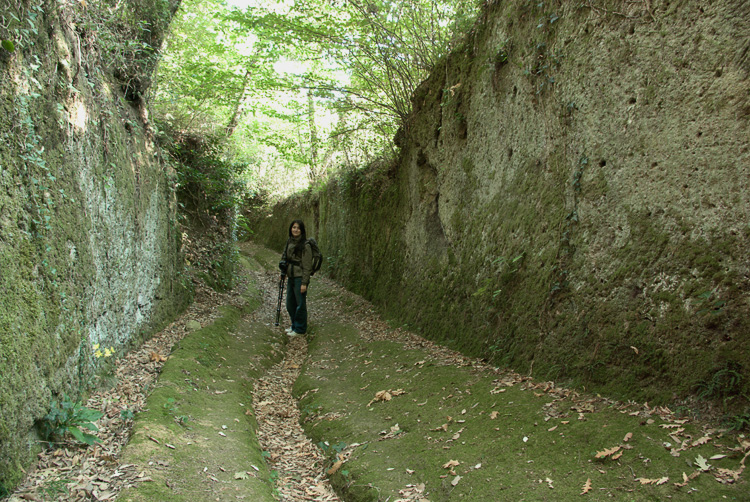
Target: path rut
291, 453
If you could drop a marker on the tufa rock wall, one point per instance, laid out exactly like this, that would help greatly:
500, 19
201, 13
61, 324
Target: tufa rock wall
572, 199
89, 248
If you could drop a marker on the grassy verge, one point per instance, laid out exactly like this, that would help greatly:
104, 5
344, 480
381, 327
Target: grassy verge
196, 440
455, 432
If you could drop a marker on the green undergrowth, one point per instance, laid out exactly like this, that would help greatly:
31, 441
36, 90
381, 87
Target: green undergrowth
196, 439
511, 439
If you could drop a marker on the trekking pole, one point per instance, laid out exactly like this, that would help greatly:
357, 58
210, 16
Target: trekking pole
281, 294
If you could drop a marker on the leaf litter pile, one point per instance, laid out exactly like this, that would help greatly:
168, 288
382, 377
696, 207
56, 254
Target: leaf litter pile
68, 472
297, 460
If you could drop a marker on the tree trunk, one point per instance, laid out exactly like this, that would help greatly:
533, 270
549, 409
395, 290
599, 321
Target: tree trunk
234, 121
313, 173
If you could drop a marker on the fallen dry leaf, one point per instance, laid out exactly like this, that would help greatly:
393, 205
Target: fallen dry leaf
686, 478
386, 395
727, 475
335, 467
700, 441
659, 481
608, 452
586, 487
451, 464
702, 464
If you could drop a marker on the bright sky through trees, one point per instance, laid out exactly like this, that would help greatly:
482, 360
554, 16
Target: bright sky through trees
302, 88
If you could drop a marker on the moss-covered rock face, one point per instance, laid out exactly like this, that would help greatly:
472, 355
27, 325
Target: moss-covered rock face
88, 244
572, 198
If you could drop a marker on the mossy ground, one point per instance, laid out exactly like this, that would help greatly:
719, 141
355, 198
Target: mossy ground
512, 442
202, 408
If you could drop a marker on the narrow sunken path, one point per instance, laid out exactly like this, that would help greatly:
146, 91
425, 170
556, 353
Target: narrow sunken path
299, 464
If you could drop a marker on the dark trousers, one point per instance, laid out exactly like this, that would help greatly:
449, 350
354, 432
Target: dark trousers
296, 305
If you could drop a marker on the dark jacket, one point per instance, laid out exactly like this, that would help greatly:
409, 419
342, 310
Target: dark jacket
298, 266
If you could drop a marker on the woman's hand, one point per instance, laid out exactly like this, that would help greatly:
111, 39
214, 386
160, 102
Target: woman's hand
303, 288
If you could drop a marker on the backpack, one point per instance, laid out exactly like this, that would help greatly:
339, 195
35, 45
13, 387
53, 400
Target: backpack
317, 256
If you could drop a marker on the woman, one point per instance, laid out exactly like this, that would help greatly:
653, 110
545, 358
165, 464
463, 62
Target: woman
298, 259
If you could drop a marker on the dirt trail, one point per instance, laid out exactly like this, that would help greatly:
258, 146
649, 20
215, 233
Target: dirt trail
299, 464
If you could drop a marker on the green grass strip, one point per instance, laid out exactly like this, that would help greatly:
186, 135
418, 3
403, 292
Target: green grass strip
200, 413
510, 441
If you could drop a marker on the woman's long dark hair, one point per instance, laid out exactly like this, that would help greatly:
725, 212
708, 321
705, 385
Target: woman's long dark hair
300, 247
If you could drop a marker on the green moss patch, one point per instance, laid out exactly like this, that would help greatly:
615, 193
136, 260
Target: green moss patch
512, 438
196, 440
262, 258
